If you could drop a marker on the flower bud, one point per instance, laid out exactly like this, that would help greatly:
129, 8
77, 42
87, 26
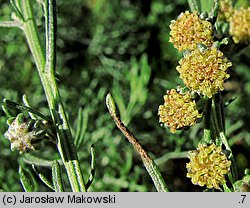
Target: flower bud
25, 134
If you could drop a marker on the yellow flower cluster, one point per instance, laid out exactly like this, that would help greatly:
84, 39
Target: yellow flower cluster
204, 71
189, 30
239, 21
226, 9
207, 166
240, 25
179, 110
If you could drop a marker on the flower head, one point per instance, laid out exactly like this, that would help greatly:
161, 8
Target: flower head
178, 110
226, 9
204, 71
208, 166
189, 30
240, 25
25, 134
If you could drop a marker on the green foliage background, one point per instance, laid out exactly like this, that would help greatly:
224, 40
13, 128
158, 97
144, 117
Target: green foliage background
119, 46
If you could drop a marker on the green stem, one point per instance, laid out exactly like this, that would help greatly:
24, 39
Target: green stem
171, 155
207, 134
219, 111
218, 124
149, 164
231, 157
51, 29
45, 66
226, 189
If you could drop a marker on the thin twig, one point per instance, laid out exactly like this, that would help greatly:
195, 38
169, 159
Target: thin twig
171, 155
149, 164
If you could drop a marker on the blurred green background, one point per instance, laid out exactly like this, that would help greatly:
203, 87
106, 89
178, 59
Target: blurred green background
118, 46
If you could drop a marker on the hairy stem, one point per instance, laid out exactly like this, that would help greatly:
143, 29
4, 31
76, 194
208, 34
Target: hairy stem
45, 66
219, 127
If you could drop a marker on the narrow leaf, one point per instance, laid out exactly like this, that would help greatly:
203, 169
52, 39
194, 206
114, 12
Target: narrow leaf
27, 180
57, 177
31, 159
26, 102
92, 167
82, 124
11, 104
43, 178
79, 126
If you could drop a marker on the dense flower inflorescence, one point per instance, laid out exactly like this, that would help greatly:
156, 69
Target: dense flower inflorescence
226, 9
240, 25
208, 166
204, 71
189, 30
179, 110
